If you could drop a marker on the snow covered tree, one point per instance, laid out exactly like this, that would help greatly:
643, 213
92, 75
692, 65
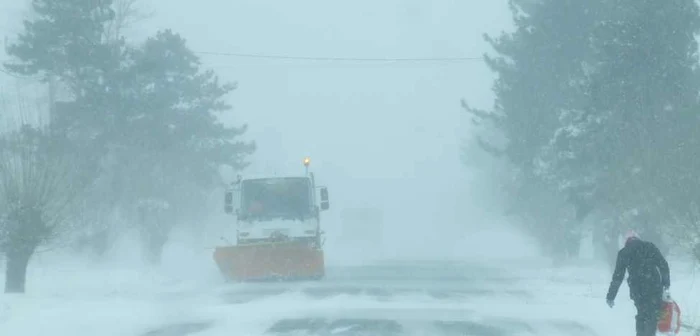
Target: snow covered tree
630, 145
541, 71
598, 102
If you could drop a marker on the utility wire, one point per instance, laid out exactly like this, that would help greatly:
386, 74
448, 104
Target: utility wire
15, 75
9, 73
341, 59
322, 59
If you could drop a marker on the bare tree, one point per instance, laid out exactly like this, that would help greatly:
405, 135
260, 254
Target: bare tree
38, 183
126, 14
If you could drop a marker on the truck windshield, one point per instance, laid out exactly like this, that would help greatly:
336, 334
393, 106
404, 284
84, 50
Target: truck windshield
286, 198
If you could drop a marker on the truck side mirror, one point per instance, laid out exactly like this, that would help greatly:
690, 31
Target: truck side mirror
228, 202
325, 204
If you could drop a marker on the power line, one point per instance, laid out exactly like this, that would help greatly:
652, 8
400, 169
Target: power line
15, 75
322, 59
9, 73
342, 59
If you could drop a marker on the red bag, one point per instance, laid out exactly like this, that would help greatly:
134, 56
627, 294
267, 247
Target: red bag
670, 319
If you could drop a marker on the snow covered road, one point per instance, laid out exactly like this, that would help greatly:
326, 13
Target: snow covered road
389, 298
385, 298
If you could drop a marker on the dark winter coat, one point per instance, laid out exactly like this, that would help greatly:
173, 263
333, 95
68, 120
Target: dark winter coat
647, 268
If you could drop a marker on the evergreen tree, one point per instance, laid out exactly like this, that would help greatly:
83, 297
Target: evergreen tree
631, 142
62, 43
65, 40
171, 143
599, 102
541, 72
141, 127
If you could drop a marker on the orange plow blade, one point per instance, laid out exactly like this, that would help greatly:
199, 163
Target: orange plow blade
270, 262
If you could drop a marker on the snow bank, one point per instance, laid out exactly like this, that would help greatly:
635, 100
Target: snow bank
118, 296
68, 299
581, 291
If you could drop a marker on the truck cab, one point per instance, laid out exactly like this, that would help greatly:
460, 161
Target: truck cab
272, 209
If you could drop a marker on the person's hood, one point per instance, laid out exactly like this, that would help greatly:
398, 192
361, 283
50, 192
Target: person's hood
630, 236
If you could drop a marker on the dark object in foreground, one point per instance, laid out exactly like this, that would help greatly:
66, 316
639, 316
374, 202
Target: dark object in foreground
648, 277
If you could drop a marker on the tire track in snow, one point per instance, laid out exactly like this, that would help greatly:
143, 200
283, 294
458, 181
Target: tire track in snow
421, 298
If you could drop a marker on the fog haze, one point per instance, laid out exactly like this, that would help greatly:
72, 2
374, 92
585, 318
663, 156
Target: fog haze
462, 241
379, 133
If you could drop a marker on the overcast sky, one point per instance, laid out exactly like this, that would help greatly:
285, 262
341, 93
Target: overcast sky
378, 133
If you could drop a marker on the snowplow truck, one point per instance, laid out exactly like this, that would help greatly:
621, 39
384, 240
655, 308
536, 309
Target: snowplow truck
278, 229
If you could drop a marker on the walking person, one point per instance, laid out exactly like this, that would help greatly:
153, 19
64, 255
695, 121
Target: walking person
648, 278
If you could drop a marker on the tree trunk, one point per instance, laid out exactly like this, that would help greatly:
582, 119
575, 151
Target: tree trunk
156, 236
154, 249
16, 271
100, 243
25, 235
155, 230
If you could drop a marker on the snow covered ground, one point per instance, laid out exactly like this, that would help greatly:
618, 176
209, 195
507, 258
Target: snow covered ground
187, 297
